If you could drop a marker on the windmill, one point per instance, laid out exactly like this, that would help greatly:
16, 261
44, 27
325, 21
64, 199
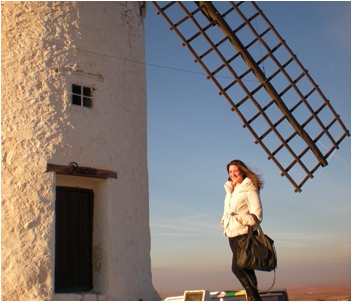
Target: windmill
292, 118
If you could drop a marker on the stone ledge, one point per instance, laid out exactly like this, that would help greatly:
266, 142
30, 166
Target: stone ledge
80, 297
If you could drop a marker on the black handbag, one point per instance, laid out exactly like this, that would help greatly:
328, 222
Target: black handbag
256, 251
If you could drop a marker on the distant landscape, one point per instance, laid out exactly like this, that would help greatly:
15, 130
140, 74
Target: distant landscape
321, 292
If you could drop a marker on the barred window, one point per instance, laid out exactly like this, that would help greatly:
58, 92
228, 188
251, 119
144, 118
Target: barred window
82, 95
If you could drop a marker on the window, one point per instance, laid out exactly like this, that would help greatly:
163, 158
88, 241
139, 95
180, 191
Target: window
82, 96
73, 240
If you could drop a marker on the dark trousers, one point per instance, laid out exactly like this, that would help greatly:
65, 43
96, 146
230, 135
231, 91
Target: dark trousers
240, 273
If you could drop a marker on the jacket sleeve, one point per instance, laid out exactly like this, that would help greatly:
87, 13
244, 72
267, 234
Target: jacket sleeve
228, 195
254, 207
229, 189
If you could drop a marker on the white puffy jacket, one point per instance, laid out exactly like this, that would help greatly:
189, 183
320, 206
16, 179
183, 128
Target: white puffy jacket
240, 203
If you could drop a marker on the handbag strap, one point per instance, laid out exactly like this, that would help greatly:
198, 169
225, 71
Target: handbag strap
251, 282
250, 231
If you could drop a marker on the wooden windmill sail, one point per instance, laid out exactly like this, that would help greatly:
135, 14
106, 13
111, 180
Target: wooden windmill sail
264, 82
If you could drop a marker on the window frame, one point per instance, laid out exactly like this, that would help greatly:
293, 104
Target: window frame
81, 96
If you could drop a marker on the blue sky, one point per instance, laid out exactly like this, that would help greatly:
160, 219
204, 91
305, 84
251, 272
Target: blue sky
193, 134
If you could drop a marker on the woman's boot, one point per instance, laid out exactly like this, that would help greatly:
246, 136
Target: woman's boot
252, 292
252, 277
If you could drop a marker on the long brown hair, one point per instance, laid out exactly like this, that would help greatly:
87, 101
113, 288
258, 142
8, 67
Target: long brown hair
257, 179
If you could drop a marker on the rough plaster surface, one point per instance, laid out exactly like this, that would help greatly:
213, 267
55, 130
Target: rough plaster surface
46, 46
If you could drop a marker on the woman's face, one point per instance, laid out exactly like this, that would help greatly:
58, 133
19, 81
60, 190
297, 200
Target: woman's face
235, 174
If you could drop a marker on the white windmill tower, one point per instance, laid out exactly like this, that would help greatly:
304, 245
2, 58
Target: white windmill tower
75, 208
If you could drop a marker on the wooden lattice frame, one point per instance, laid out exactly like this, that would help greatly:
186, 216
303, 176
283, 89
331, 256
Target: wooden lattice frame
207, 20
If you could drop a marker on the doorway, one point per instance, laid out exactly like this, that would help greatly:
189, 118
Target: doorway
74, 240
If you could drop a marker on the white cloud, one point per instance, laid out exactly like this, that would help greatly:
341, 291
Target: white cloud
195, 225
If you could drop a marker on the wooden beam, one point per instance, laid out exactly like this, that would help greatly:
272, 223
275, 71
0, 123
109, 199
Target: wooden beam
210, 9
74, 170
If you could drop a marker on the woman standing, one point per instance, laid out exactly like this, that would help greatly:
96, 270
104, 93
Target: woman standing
242, 200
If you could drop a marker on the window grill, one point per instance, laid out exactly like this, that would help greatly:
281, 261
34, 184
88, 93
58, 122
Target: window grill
82, 96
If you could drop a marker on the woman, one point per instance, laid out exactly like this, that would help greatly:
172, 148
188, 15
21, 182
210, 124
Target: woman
242, 199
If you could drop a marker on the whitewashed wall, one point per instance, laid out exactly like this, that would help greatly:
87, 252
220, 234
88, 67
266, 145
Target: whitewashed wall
46, 46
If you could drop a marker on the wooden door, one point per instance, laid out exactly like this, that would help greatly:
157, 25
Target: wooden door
73, 240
